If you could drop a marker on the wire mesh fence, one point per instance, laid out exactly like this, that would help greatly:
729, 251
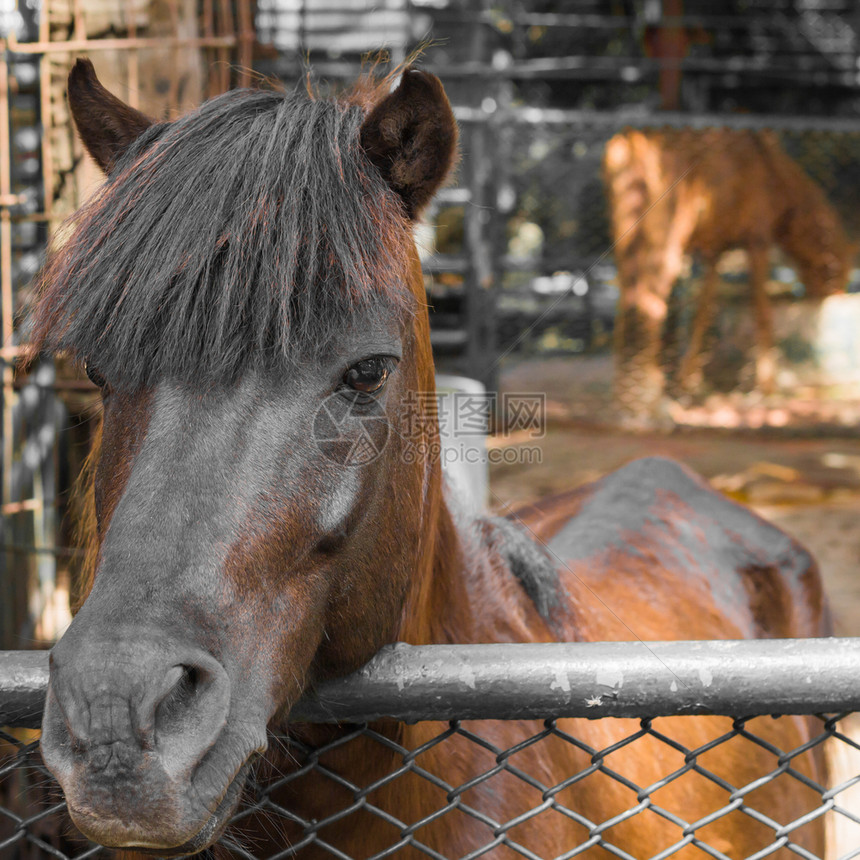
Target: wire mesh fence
549, 821
657, 786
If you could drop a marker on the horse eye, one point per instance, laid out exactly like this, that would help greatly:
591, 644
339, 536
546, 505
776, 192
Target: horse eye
368, 375
94, 376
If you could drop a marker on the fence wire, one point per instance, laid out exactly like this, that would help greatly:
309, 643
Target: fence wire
34, 824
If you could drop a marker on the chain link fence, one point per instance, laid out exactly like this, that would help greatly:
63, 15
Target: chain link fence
735, 793
36, 825
736, 235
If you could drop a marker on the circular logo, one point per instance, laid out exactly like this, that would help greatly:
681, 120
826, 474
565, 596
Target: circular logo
351, 431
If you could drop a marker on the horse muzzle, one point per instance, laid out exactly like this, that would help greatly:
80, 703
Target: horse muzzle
137, 731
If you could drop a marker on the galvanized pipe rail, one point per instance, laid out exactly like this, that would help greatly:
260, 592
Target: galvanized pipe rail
613, 121
601, 679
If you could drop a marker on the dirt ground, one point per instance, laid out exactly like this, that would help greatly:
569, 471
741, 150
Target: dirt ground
807, 484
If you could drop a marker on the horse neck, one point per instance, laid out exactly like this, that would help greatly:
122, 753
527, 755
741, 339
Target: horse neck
467, 591
811, 231
814, 239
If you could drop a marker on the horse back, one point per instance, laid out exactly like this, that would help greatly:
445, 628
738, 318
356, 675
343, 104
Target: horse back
651, 551
721, 188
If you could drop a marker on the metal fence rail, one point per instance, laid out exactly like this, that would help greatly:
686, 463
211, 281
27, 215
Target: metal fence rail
749, 682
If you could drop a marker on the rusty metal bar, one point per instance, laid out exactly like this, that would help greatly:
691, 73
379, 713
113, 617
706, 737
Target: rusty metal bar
207, 17
35, 217
58, 551
225, 18
118, 44
48, 124
595, 679
79, 30
81, 385
21, 507
133, 64
173, 9
247, 38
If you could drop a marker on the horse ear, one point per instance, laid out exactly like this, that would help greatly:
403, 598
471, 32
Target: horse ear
411, 137
107, 126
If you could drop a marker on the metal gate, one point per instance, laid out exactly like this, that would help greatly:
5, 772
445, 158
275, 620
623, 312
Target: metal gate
552, 694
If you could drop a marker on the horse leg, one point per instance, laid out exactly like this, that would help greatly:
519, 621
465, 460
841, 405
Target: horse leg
690, 374
765, 360
639, 379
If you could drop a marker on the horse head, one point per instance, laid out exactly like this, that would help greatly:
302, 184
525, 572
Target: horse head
812, 233
246, 293
825, 261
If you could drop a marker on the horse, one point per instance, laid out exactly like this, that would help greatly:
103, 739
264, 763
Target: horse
246, 293
673, 192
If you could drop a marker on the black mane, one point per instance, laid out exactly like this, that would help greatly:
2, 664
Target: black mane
243, 234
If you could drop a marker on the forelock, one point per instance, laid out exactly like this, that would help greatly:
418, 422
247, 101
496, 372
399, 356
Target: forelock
246, 233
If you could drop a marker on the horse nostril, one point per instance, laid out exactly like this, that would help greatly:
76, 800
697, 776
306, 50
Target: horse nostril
190, 677
189, 713
186, 683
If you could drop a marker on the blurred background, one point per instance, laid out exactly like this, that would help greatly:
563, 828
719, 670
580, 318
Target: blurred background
654, 224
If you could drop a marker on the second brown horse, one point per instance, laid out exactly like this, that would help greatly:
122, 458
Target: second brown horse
677, 192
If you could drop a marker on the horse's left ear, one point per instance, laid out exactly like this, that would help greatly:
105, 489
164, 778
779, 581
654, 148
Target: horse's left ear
107, 126
411, 137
